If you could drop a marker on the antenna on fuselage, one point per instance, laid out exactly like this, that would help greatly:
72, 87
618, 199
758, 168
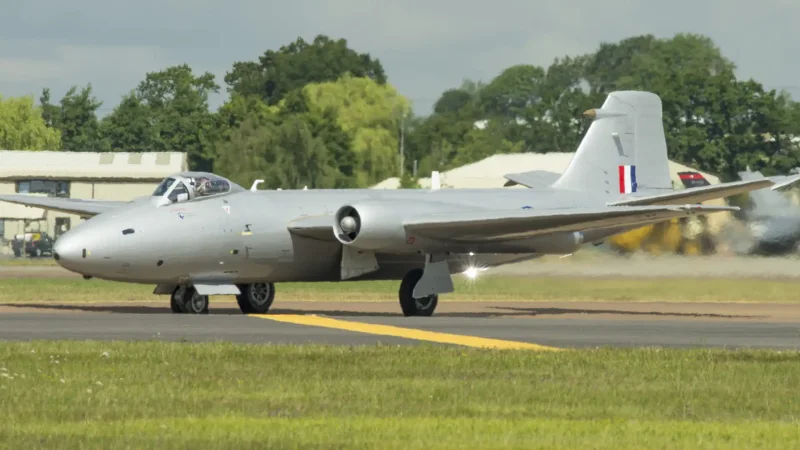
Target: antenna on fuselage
255, 184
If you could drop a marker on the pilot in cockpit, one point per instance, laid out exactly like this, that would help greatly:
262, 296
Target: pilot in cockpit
181, 188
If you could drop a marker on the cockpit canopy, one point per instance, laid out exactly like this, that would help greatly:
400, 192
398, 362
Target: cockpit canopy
188, 186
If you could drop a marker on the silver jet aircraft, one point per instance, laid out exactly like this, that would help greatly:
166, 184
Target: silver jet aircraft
200, 234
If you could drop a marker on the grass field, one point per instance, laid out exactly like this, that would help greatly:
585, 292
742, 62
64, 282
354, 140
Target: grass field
180, 395
490, 288
45, 261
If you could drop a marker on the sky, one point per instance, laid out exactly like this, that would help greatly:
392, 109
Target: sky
425, 47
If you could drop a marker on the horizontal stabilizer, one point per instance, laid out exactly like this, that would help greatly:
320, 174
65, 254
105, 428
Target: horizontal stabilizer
784, 182
80, 207
532, 179
695, 195
488, 226
314, 227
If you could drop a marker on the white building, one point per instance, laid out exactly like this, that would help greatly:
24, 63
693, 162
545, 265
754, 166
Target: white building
102, 176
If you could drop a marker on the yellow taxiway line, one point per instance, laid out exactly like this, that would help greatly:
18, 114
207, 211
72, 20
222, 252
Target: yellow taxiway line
409, 333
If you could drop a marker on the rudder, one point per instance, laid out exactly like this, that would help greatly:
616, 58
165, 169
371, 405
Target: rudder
624, 150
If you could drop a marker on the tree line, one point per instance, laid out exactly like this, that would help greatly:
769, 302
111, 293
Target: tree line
321, 114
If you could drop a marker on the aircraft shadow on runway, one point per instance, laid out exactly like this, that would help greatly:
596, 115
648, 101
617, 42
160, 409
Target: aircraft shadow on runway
501, 311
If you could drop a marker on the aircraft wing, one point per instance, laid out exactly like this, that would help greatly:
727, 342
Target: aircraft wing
696, 194
487, 226
80, 207
532, 179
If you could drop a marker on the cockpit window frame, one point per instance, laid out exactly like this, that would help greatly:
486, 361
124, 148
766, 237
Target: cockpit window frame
158, 192
175, 187
198, 186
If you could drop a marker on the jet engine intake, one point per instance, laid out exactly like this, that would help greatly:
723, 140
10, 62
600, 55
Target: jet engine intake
379, 225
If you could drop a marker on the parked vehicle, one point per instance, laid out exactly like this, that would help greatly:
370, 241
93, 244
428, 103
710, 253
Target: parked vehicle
32, 244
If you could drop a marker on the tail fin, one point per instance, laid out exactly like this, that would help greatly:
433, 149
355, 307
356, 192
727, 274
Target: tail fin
624, 150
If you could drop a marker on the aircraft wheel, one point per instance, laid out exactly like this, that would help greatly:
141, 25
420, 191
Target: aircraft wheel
185, 299
176, 299
195, 303
415, 306
256, 298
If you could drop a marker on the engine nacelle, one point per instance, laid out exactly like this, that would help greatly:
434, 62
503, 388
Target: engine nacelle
379, 225
557, 243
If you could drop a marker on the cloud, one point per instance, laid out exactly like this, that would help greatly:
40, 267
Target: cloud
425, 46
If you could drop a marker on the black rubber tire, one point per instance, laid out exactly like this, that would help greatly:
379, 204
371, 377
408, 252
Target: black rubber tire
195, 303
250, 305
185, 303
176, 303
174, 306
411, 306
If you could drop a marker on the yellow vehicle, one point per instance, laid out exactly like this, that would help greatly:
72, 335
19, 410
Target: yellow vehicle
678, 236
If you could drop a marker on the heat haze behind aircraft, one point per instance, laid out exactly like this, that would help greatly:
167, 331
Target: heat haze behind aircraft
772, 222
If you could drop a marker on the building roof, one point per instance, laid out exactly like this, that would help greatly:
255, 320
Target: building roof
15, 164
489, 172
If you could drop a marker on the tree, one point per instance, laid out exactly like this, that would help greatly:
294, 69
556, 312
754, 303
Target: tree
168, 111
22, 126
712, 121
76, 118
408, 181
370, 113
451, 101
514, 90
284, 154
295, 65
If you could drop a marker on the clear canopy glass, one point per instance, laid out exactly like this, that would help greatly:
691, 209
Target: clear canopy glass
188, 186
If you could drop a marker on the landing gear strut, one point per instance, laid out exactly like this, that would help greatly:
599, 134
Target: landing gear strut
186, 299
256, 298
416, 306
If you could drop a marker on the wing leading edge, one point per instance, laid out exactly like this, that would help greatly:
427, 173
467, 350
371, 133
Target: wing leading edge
488, 226
80, 207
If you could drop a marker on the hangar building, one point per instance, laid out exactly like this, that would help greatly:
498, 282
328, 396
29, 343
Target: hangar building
101, 176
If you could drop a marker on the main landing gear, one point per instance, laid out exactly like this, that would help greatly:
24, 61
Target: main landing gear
186, 300
256, 298
420, 288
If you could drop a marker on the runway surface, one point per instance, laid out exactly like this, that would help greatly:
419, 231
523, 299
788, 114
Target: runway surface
531, 325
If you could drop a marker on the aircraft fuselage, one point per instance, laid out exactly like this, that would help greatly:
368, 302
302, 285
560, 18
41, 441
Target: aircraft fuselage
243, 237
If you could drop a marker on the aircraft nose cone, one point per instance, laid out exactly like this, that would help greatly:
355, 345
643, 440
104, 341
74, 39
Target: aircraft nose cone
67, 252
